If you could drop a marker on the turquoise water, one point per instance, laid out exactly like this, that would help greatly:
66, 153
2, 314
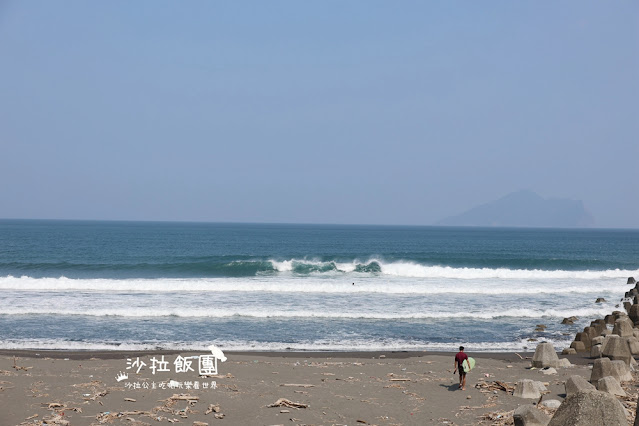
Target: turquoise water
126, 285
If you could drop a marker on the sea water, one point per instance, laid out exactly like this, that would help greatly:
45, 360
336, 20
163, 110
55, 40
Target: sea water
136, 285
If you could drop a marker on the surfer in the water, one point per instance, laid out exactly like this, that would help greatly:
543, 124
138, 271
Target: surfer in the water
459, 359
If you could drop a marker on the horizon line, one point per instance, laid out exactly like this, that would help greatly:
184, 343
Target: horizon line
307, 223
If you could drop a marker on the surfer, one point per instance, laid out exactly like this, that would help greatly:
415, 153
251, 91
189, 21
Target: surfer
460, 357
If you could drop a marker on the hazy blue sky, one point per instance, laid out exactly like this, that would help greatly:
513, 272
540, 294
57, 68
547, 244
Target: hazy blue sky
331, 112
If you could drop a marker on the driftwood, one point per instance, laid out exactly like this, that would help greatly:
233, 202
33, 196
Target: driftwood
283, 402
55, 405
212, 409
96, 395
499, 417
108, 417
55, 420
183, 397
496, 385
17, 367
297, 385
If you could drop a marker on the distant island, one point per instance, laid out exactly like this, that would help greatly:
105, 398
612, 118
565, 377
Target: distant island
525, 209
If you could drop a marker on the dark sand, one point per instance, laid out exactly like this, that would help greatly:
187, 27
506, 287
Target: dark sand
339, 388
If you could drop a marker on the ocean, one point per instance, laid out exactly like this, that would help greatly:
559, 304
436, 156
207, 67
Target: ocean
89, 285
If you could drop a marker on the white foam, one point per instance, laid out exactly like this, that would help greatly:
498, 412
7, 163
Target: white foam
415, 270
423, 286
247, 345
283, 266
308, 312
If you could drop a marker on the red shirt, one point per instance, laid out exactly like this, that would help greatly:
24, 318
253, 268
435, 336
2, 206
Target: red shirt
460, 357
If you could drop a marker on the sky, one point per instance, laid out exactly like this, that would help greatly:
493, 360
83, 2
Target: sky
358, 112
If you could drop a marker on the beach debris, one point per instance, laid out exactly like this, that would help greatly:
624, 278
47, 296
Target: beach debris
31, 417
212, 409
17, 367
285, 411
108, 416
499, 418
196, 423
232, 388
55, 420
297, 385
394, 385
130, 400
52, 405
96, 395
220, 376
400, 380
283, 402
495, 386
183, 397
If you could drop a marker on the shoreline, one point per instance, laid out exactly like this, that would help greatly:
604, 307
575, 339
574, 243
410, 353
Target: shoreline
577, 359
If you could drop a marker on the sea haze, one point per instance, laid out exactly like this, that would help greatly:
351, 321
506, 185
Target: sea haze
134, 285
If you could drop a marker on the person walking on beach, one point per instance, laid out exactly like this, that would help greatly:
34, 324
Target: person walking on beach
459, 360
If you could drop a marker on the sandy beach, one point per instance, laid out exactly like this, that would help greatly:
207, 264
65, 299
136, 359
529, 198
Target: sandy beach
404, 388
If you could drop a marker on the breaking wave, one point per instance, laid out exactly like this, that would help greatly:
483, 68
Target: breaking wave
224, 267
